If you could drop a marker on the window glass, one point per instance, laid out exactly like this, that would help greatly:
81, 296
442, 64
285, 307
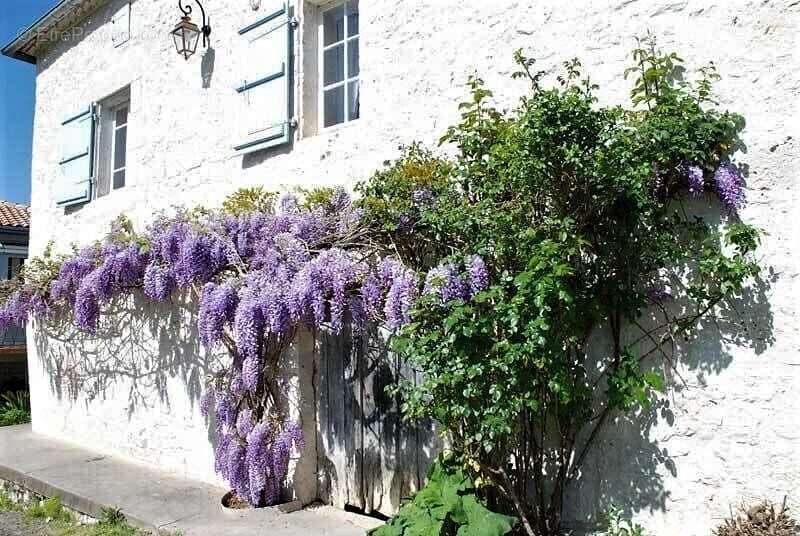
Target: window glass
334, 65
333, 25
119, 179
122, 116
14, 266
334, 106
120, 141
352, 18
353, 102
352, 58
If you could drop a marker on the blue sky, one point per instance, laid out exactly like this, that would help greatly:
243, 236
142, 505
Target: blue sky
17, 102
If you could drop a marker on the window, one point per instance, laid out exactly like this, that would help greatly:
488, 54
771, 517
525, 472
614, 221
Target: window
94, 151
339, 62
112, 143
121, 25
14, 266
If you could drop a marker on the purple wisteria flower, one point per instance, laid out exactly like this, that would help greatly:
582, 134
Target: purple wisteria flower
400, 299
695, 179
258, 458
372, 295
20, 305
729, 185
71, 274
224, 410
321, 286
237, 473
87, 309
207, 401
159, 282
217, 308
245, 423
446, 282
340, 200
478, 274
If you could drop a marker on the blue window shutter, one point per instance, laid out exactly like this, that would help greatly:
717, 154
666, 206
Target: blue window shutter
266, 91
74, 184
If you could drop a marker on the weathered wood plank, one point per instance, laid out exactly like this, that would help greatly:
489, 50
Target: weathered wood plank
353, 421
326, 468
369, 458
372, 408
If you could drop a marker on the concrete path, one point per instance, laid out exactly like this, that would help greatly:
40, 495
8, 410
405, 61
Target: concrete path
87, 481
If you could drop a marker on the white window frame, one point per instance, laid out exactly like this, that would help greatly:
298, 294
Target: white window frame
114, 128
104, 160
322, 48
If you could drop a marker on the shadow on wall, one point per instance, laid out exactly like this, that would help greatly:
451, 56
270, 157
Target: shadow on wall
628, 465
207, 66
367, 457
139, 343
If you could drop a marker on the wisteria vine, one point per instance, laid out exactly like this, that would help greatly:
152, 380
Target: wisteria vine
258, 278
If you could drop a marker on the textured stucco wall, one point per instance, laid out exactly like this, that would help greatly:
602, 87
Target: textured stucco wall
732, 433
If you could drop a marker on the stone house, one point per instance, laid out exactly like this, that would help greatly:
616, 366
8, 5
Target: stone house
315, 92
14, 227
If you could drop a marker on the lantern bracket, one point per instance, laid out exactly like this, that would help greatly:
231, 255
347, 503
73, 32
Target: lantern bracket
186, 8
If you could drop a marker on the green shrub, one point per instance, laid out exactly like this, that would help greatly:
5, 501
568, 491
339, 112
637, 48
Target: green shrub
618, 525
248, 200
13, 417
447, 505
15, 408
583, 214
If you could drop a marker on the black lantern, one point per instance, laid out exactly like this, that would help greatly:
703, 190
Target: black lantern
186, 33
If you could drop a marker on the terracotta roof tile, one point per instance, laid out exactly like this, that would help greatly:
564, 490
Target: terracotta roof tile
13, 215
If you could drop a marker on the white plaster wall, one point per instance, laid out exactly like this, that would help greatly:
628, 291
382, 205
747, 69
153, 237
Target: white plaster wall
733, 434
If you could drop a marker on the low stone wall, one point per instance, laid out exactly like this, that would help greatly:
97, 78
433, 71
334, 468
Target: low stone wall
26, 497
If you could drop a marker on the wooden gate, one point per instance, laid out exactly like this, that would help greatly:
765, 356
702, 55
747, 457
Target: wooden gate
368, 457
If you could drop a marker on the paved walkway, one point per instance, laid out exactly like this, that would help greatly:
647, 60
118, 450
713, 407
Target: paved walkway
87, 481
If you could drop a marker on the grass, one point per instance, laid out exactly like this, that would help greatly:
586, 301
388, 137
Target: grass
6, 504
61, 522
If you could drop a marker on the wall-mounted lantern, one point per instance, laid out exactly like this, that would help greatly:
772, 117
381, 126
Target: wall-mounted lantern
186, 33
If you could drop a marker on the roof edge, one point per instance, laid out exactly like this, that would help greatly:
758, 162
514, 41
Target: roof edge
15, 229
13, 49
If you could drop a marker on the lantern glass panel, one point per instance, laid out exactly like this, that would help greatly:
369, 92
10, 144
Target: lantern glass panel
185, 36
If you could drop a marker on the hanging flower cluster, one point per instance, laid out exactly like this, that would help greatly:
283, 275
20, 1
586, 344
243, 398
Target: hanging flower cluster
448, 283
258, 278
727, 182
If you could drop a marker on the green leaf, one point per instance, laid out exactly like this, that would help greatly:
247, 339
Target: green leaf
483, 522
